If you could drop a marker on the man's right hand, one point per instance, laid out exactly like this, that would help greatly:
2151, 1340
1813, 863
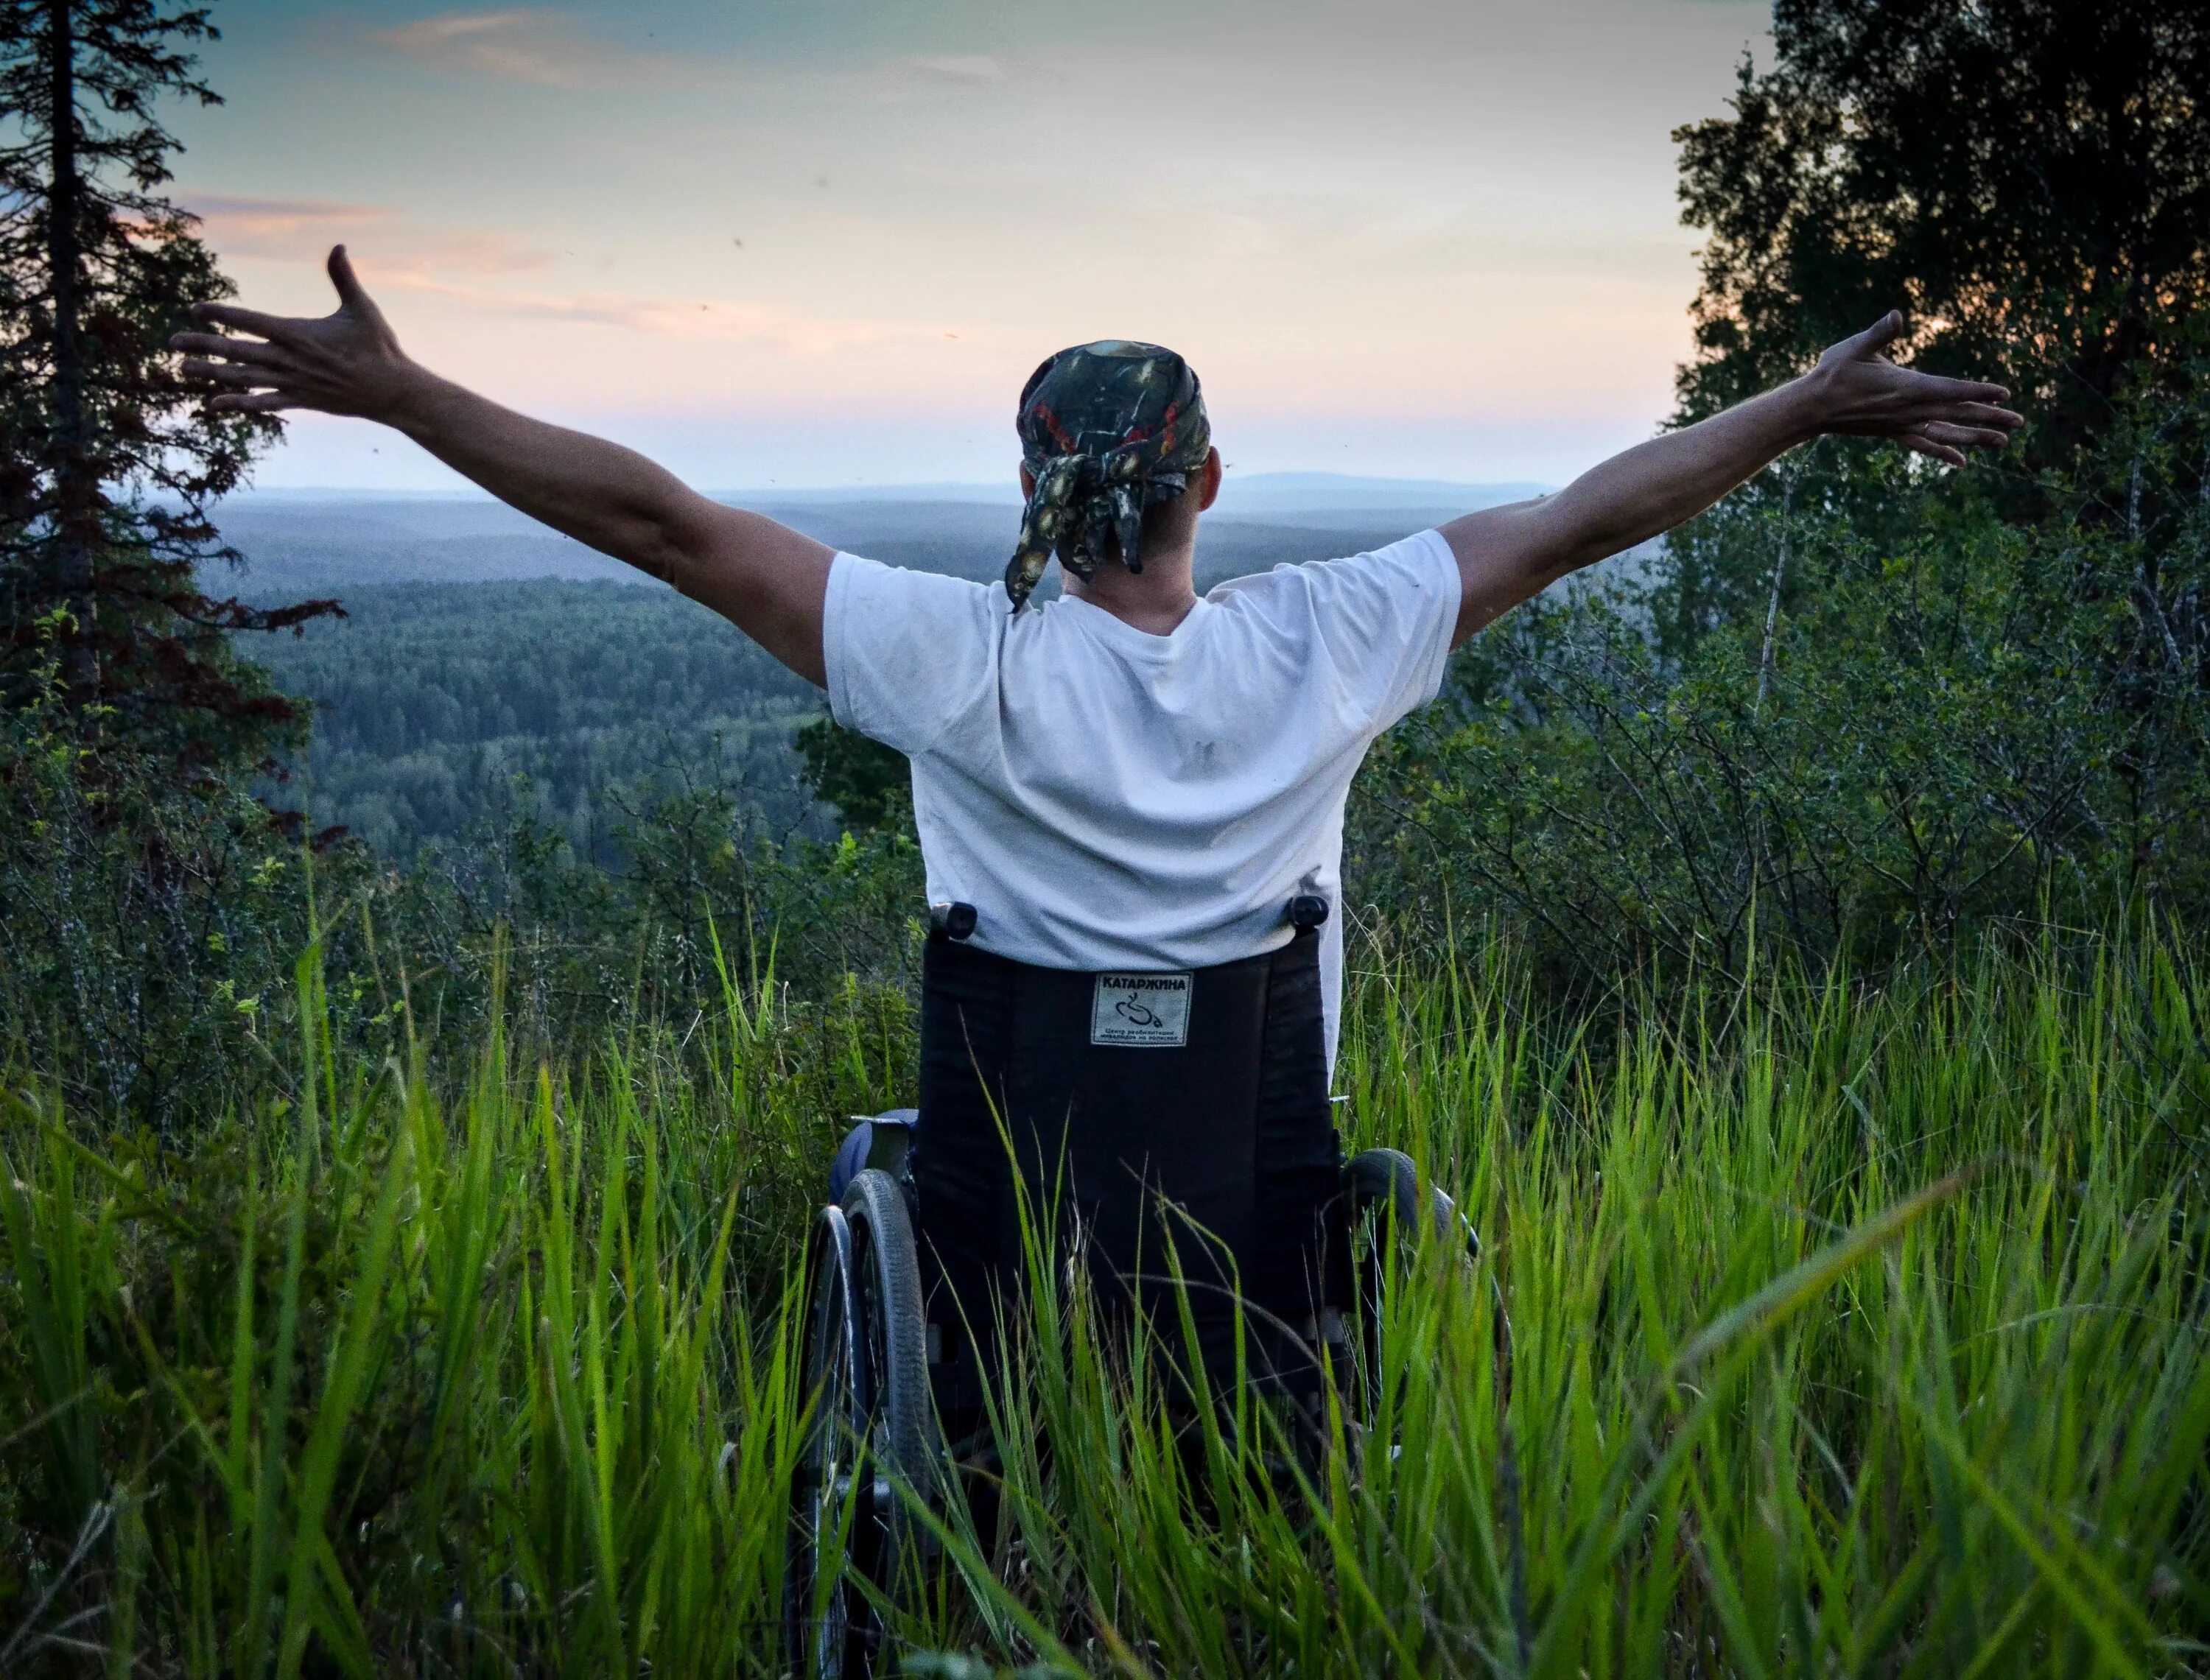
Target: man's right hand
348, 362
768, 579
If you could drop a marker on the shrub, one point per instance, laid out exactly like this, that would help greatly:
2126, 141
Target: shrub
1986, 722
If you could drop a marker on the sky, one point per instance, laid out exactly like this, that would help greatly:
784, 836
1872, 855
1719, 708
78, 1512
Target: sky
787, 244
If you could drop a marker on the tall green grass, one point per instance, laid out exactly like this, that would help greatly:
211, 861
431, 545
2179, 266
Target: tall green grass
1817, 1330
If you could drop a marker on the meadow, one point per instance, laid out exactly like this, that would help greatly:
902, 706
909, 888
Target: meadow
1819, 1328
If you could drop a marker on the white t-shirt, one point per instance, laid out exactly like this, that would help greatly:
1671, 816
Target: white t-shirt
1110, 800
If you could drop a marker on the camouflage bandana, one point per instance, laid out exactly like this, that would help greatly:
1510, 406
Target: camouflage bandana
1109, 430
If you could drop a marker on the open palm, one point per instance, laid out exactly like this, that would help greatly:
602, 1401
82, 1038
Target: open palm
348, 362
1865, 395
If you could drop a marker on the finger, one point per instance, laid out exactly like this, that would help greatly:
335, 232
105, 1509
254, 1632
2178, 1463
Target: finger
1963, 437
1876, 337
1918, 444
231, 373
351, 293
252, 402
230, 349
1940, 389
348, 283
272, 326
1983, 414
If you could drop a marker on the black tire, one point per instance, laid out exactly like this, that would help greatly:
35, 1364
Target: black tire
886, 1274
852, 1533
818, 1601
1374, 1178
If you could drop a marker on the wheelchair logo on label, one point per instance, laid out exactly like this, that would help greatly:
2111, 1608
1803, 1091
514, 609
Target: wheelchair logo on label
1141, 1011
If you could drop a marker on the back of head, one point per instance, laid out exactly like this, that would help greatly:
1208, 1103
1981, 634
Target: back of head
1109, 431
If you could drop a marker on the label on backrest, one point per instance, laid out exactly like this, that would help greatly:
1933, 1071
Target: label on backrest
1141, 1011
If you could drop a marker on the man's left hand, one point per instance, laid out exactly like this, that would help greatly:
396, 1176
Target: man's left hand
1856, 391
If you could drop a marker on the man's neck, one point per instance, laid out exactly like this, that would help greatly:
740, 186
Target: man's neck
1153, 601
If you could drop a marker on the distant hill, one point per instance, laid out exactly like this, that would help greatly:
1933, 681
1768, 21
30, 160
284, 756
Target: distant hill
1242, 494
430, 698
1329, 497
299, 544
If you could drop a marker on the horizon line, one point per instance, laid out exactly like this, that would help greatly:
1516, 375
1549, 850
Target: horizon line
987, 488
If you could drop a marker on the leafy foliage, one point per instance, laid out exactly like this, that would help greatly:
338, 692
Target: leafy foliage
869, 785
430, 699
1863, 708
2029, 180
1988, 720
151, 929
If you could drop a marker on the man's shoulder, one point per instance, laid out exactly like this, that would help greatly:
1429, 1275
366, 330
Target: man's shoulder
1409, 563
859, 586
905, 651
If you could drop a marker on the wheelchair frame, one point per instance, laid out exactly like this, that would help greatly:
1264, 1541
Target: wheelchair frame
872, 1430
854, 1535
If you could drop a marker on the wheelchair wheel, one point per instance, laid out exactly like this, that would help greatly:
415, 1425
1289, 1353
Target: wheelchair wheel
1387, 1200
853, 1537
1374, 1178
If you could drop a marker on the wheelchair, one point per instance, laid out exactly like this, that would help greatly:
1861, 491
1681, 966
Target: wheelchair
873, 1359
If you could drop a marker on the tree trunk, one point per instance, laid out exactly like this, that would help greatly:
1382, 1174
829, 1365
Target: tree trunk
76, 478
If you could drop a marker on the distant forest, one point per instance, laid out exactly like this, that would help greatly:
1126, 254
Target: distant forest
439, 705
488, 668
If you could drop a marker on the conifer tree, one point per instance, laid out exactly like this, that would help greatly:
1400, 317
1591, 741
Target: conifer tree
109, 461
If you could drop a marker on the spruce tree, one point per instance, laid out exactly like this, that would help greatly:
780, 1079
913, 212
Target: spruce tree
109, 461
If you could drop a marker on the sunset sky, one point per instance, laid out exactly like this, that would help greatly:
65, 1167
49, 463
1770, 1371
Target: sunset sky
822, 245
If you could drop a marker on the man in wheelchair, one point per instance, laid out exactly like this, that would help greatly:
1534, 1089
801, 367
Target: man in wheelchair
1130, 800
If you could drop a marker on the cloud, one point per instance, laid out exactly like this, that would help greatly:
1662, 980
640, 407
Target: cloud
393, 255
960, 67
927, 76
474, 254
280, 227
537, 49
304, 229
696, 318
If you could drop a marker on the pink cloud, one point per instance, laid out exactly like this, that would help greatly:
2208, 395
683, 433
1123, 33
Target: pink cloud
280, 227
538, 48
710, 319
960, 67
395, 256
304, 229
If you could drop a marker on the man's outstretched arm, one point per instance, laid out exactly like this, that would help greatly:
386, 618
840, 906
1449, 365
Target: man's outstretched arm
1506, 554
765, 578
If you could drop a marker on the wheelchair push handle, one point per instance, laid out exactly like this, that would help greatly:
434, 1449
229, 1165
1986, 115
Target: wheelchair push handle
1378, 1179
954, 920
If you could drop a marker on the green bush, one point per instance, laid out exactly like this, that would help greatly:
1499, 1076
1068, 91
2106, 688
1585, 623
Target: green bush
151, 929
1915, 739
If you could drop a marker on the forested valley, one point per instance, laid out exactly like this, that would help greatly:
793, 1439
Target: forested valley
484, 668
440, 707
